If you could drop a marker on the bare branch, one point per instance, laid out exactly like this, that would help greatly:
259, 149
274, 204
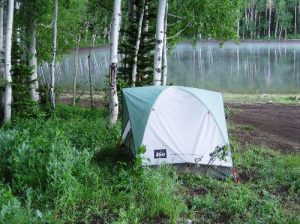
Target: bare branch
47, 26
179, 17
179, 32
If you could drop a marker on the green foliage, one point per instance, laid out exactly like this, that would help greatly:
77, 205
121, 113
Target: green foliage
69, 169
11, 208
23, 106
217, 19
53, 167
267, 187
127, 45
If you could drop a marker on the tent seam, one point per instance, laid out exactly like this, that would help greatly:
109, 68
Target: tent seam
207, 109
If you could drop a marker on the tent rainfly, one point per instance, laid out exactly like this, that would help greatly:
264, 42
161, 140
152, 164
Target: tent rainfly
177, 125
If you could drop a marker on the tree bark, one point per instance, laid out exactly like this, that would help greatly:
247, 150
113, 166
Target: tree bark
159, 42
113, 101
1, 40
165, 49
34, 85
52, 82
7, 76
1, 28
146, 31
137, 45
18, 32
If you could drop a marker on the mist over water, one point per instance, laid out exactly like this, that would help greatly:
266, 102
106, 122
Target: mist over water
249, 67
65, 69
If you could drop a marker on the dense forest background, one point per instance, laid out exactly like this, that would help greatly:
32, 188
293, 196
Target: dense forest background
269, 19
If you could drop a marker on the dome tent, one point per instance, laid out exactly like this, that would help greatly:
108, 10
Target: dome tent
177, 125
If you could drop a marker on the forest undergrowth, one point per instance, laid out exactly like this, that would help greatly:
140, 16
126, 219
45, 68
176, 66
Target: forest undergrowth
69, 168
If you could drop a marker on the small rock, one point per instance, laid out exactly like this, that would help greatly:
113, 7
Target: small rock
264, 95
188, 221
297, 97
270, 102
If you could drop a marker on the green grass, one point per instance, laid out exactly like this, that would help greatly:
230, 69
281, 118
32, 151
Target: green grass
245, 127
69, 169
262, 98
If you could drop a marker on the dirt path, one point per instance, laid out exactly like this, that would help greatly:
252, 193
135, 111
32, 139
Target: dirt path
275, 126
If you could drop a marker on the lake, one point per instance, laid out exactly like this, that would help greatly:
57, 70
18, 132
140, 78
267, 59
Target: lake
247, 67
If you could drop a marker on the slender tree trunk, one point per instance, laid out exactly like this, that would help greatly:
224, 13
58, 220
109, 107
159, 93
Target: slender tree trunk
1, 28
159, 42
137, 45
18, 32
76, 71
280, 32
238, 28
255, 22
295, 22
7, 76
270, 21
89, 72
277, 24
259, 26
285, 34
113, 102
1, 41
52, 82
165, 50
251, 20
146, 31
34, 85
266, 16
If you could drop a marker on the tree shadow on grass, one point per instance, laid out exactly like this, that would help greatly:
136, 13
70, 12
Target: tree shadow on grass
112, 157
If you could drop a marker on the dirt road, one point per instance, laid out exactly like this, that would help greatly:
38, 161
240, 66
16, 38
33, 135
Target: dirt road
274, 126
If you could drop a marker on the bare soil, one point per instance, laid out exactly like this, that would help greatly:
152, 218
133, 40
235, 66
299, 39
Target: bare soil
273, 126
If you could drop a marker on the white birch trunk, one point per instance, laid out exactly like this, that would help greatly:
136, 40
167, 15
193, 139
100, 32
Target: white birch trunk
113, 97
159, 42
270, 18
285, 34
137, 45
52, 82
34, 85
7, 75
165, 50
146, 30
1, 41
18, 32
276, 27
1, 27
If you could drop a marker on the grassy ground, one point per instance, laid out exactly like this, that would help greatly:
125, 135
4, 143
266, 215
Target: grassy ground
262, 98
68, 169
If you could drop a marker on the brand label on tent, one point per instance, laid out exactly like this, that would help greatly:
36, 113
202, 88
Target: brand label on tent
160, 153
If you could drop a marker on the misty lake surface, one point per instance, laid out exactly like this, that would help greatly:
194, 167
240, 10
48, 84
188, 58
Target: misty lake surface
247, 67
